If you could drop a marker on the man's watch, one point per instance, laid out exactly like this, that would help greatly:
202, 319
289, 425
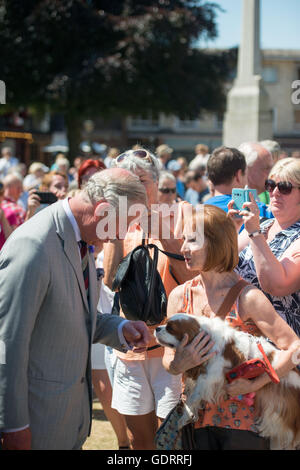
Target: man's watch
254, 234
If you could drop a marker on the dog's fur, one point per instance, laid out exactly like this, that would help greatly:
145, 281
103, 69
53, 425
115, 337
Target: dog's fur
277, 405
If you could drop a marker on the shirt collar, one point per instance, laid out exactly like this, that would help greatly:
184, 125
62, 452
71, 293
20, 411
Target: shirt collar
71, 218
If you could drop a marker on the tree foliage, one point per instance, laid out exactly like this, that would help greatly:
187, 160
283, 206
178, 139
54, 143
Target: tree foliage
108, 57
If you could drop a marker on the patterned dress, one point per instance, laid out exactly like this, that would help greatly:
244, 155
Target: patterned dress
287, 306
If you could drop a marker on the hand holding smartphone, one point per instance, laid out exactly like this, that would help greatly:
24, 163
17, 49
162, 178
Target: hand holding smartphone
240, 196
46, 197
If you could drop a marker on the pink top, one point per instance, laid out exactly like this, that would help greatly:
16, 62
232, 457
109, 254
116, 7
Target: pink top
12, 220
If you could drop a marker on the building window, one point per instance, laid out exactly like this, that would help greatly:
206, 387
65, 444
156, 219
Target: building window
297, 119
188, 123
270, 74
219, 121
141, 122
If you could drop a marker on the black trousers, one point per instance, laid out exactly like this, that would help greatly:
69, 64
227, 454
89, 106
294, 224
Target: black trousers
214, 438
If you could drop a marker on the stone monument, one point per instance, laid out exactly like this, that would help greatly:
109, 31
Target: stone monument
248, 116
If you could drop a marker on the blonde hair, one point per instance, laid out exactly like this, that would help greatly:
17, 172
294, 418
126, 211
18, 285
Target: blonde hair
288, 169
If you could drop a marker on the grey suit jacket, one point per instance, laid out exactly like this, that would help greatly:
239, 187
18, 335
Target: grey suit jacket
48, 328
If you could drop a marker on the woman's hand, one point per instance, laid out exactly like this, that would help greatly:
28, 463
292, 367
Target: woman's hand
240, 387
235, 216
251, 216
33, 203
244, 386
191, 355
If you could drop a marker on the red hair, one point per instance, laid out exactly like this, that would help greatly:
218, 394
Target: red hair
86, 165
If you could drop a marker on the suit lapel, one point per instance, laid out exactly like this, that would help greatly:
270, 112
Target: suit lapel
66, 233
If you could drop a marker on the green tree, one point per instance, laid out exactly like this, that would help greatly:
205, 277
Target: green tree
111, 58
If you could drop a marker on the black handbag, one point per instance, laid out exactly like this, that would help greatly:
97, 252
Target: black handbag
140, 290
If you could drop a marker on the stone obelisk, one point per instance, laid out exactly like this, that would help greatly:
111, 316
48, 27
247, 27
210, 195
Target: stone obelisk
248, 116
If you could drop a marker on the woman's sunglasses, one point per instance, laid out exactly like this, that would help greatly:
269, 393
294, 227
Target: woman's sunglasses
284, 187
167, 190
134, 153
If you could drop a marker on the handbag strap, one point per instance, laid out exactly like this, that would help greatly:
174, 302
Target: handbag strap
231, 297
152, 276
167, 253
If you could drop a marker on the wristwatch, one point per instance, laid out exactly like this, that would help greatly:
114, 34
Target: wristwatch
254, 234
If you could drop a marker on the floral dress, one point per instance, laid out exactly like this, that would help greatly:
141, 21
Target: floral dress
287, 306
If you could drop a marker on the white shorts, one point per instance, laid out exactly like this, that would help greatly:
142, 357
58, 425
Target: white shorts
143, 386
97, 356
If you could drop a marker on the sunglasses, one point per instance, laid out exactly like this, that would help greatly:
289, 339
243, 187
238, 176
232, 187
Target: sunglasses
284, 187
167, 190
134, 153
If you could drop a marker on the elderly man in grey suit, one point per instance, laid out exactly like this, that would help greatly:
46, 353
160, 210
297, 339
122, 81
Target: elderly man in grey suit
48, 316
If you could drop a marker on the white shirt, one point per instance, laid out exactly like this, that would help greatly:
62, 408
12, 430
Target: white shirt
6, 164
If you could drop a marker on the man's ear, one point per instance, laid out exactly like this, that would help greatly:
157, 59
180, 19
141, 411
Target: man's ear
239, 176
102, 208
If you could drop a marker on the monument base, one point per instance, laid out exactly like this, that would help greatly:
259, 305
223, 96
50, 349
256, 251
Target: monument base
248, 117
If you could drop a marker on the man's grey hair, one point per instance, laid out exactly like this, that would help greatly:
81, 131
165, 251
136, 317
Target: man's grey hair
272, 146
165, 175
249, 152
111, 185
133, 163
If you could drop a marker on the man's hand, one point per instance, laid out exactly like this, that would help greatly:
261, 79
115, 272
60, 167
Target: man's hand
19, 440
136, 334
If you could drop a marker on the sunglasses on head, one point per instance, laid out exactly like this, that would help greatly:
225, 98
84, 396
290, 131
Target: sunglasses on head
167, 190
141, 153
284, 187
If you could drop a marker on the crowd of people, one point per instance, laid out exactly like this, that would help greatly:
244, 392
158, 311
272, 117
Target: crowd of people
138, 387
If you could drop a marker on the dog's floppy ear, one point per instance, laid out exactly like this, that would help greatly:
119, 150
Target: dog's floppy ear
180, 324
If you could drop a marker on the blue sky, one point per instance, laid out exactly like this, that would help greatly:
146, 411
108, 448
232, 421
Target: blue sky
280, 24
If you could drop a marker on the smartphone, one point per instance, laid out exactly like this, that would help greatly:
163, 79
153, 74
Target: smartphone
241, 195
46, 197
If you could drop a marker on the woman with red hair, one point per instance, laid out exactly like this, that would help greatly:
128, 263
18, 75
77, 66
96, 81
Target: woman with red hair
87, 169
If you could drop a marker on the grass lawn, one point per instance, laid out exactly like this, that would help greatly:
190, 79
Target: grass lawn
102, 435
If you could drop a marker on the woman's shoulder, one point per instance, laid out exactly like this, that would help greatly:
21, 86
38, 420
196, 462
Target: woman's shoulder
177, 292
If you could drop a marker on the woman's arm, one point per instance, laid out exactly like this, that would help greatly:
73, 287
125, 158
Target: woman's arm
113, 254
254, 305
276, 277
186, 356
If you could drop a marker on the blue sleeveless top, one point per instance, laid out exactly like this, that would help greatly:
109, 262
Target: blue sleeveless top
287, 306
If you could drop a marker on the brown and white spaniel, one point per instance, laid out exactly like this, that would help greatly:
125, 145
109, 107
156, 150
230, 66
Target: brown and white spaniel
277, 405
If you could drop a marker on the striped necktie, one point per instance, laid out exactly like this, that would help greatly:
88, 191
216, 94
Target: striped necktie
84, 253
